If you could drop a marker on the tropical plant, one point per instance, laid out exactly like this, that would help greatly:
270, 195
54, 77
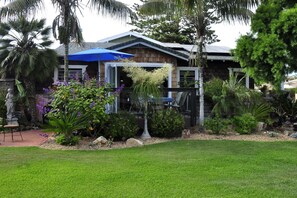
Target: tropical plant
167, 123
233, 97
67, 124
257, 106
66, 26
202, 13
25, 55
146, 87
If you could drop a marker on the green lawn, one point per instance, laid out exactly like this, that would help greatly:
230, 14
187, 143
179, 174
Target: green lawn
172, 169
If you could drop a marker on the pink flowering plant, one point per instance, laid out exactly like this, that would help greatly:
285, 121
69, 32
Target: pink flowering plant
89, 99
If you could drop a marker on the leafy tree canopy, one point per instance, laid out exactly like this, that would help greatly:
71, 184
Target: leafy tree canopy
269, 52
164, 28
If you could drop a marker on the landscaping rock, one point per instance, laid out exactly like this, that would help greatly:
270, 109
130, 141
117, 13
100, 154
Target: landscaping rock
186, 133
287, 133
293, 135
295, 126
100, 141
132, 142
260, 126
272, 134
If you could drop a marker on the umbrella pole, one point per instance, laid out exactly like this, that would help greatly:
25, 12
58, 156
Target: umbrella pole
99, 71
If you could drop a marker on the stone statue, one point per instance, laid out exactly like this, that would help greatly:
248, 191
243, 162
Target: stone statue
9, 104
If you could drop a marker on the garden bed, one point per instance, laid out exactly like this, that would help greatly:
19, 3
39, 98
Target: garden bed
84, 144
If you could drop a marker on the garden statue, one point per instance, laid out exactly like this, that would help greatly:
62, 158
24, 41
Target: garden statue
11, 120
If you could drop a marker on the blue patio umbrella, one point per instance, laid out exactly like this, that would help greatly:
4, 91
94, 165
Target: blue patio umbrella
98, 54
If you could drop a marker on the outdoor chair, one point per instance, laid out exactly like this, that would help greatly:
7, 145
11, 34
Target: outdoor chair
180, 101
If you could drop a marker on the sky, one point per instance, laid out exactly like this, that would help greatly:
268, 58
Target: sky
96, 27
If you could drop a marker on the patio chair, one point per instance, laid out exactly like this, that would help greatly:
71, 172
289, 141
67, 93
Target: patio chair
180, 101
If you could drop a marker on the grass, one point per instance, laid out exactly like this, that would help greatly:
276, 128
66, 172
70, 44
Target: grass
172, 169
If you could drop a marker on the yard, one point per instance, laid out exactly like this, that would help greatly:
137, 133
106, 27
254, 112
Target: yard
184, 168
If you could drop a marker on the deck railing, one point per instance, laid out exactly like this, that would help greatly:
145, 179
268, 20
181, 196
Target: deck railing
126, 101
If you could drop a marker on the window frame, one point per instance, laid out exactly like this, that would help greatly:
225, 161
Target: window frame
239, 70
82, 67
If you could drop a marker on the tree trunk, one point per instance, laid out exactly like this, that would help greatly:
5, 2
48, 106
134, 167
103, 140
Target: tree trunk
201, 97
200, 63
30, 101
66, 62
145, 134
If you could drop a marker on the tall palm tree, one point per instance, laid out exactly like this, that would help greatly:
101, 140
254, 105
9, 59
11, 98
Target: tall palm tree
202, 13
25, 54
66, 26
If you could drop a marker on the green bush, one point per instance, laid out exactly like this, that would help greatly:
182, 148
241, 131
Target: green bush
67, 141
167, 123
121, 126
216, 124
66, 125
213, 88
245, 124
89, 98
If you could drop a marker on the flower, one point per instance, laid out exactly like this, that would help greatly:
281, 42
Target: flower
92, 104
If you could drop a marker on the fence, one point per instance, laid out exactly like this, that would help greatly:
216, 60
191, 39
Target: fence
182, 99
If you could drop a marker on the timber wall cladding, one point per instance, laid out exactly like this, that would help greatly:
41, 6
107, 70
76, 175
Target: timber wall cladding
148, 55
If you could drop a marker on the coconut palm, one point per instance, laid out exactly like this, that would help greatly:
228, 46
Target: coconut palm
24, 54
66, 26
202, 13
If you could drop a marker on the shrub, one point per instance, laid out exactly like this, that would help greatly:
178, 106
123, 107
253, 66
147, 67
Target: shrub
245, 124
121, 126
213, 88
167, 123
89, 98
216, 124
66, 125
67, 141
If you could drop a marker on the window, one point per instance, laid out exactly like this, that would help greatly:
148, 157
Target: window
187, 76
75, 71
240, 75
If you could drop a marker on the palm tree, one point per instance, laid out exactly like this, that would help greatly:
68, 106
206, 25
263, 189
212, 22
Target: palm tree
203, 13
66, 26
24, 54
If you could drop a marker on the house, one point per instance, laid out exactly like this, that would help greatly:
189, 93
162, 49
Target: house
150, 53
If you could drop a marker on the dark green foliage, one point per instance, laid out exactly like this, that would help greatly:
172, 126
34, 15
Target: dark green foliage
216, 124
88, 99
213, 88
167, 123
68, 123
67, 141
165, 29
121, 126
2, 107
245, 124
268, 53
233, 97
257, 106
284, 107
